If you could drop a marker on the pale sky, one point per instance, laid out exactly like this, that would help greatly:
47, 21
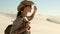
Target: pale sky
46, 7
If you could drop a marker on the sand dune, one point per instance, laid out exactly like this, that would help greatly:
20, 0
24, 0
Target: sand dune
39, 25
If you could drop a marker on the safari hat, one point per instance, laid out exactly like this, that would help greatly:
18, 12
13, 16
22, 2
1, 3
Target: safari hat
23, 4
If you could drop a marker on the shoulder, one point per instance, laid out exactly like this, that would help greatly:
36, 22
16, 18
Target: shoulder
18, 19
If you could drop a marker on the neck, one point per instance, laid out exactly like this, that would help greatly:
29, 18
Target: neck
24, 13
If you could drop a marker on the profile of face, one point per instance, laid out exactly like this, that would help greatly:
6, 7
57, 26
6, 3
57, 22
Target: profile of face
26, 10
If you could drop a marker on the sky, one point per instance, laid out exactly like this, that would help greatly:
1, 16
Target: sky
46, 7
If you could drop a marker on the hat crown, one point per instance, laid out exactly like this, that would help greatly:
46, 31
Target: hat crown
24, 3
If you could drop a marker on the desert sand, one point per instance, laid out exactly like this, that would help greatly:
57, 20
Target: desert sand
39, 25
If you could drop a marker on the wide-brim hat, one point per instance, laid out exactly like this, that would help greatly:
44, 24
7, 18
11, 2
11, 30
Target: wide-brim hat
23, 3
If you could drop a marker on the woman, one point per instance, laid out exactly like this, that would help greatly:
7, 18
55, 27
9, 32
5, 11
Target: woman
21, 25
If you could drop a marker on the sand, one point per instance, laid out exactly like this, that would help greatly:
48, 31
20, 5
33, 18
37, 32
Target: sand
39, 25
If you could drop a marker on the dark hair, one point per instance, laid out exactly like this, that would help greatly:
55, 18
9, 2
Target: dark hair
19, 12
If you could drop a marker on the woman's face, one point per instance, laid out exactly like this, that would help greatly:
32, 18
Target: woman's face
26, 10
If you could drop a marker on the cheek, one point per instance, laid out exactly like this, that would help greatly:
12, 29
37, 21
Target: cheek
29, 9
